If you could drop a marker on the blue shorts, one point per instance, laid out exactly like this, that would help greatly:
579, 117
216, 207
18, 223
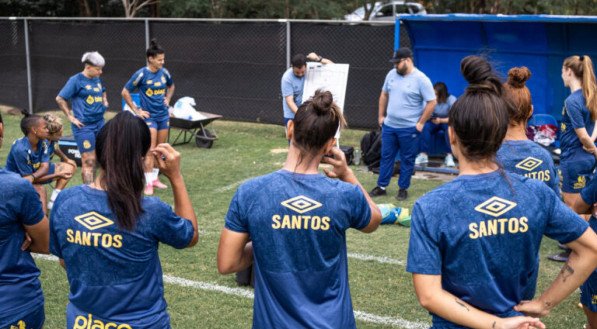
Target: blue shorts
85, 136
33, 319
158, 124
286, 120
588, 292
76, 318
576, 170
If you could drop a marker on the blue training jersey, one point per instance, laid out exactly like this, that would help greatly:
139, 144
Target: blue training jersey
114, 274
297, 223
291, 85
86, 97
575, 115
589, 196
23, 160
152, 90
526, 158
482, 234
20, 289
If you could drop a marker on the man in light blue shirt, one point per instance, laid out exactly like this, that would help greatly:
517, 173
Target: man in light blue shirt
293, 82
406, 102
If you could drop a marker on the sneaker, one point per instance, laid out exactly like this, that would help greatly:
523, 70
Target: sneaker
377, 191
402, 195
148, 189
421, 159
50, 205
157, 184
561, 257
449, 161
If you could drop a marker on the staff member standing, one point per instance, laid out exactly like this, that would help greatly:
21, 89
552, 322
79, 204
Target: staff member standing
156, 88
293, 82
89, 101
406, 102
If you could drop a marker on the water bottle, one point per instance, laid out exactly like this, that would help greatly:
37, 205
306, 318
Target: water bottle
357, 156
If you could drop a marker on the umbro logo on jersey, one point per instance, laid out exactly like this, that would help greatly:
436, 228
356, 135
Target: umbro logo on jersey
301, 204
529, 164
93, 220
495, 206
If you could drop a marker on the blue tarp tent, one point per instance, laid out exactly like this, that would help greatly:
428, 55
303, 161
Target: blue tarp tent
538, 42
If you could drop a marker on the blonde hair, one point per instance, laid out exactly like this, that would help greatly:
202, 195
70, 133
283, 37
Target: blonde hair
54, 123
582, 67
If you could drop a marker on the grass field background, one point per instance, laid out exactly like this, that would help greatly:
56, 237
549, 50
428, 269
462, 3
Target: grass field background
381, 289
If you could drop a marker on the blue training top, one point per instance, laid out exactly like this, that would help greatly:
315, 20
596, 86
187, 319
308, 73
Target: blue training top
86, 97
297, 223
526, 158
407, 97
23, 160
441, 109
20, 289
291, 85
589, 196
114, 274
152, 90
482, 234
575, 115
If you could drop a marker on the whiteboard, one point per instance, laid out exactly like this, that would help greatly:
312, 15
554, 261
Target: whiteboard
331, 77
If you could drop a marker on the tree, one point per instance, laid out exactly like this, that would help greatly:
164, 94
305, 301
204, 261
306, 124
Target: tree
132, 7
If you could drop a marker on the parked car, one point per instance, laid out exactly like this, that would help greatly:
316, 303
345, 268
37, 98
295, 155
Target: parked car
387, 11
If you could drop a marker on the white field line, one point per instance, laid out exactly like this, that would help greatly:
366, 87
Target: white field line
231, 186
379, 259
359, 315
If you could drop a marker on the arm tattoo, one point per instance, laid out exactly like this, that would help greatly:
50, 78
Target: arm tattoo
493, 325
566, 272
461, 303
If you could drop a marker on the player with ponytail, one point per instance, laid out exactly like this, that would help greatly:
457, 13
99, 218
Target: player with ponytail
474, 243
296, 220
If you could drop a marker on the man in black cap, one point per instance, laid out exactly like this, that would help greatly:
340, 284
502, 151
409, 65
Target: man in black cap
406, 102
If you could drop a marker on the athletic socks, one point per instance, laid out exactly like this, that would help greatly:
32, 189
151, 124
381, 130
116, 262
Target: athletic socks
53, 198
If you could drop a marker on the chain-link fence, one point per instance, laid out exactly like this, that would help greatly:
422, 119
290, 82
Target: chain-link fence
230, 67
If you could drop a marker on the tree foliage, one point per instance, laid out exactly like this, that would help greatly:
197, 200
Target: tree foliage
295, 9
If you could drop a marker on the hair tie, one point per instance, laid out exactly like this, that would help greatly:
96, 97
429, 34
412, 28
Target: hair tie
581, 57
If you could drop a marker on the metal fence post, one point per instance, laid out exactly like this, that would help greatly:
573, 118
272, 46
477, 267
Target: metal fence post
146, 34
288, 44
28, 60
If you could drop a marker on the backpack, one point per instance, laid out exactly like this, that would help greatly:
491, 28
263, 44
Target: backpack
371, 149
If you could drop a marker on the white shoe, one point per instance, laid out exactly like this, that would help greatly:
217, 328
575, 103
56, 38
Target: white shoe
421, 159
449, 161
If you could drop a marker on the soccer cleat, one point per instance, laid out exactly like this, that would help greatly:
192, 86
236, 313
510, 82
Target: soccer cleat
148, 189
377, 191
157, 184
421, 159
402, 195
561, 257
449, 161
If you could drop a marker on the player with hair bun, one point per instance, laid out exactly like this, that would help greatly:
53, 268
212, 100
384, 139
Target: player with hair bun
156, 89
89, 102
474, 242
518, 154
296, 220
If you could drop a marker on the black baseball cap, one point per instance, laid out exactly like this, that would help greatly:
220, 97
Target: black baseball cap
401, 53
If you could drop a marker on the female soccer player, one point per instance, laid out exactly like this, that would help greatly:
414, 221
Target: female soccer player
108, 234
578, 116
438, 122
474, 242
296, 220
29, 156
89, 102
23, 228
156, 88
54, 124
518, 154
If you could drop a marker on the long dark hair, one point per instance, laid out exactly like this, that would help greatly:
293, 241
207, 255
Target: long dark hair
29, 121
442, 92
154, 49
120, 147
316, 122
480, 116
